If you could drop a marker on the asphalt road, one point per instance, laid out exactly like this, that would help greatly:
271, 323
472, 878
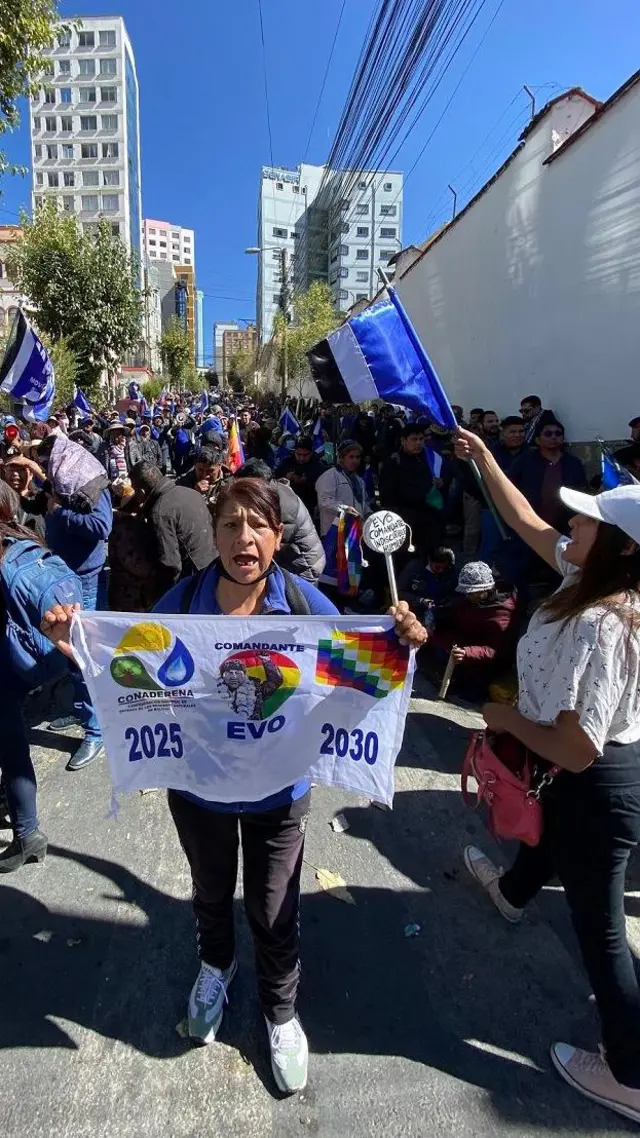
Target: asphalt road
441, 1034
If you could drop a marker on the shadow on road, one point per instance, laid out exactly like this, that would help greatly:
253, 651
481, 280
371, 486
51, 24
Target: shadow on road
466, 984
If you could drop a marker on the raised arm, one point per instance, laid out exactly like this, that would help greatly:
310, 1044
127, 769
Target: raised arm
509, 502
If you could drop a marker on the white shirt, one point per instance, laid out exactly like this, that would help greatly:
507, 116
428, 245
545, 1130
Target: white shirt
591, 666
334, 489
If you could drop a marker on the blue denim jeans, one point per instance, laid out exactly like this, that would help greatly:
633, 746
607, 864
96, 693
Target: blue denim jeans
81, 699
18, 775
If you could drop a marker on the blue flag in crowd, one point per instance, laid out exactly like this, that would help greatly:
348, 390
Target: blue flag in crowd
318, 441
612, 473
134, 390
80, 400
369, 484
434, 461
144, 406
377, 355
204, 402
289, 423
26, 373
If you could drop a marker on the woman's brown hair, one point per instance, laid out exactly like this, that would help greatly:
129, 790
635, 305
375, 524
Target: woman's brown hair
9, 506
610, 573
254, 494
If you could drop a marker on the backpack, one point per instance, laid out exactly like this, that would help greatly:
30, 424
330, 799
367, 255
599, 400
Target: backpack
183, 441
296, 599
32, 579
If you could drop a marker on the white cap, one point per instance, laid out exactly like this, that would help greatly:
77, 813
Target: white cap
619, 507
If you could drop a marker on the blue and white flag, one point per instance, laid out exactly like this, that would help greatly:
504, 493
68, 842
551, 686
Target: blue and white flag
27, 373
80, 400
318, 441
134, 390
613, 474
434, 461
289, 423
377, 355
204, 402
144, 407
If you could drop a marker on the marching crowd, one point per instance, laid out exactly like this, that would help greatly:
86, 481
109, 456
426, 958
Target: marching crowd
525, 581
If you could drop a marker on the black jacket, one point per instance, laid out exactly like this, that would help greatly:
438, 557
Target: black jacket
182, 527
405, 482
301, 551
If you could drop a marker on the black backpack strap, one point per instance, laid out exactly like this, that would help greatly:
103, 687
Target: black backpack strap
189, 591
296, 599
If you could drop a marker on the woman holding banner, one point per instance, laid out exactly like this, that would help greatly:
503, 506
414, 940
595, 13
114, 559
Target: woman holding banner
246, 581
579, 712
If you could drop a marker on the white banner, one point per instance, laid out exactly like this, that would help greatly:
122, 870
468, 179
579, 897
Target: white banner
234, 709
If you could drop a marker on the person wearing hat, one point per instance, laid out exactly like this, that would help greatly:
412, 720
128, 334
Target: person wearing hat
115, 437
479, 629
578, 709
341, 485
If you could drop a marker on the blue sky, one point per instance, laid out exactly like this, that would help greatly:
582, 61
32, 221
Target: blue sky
203, 122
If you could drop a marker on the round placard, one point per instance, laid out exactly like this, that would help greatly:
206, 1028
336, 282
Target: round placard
385, 532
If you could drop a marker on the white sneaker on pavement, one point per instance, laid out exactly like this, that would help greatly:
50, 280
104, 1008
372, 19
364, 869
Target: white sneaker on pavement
488, 876
589, 1073
289, 1055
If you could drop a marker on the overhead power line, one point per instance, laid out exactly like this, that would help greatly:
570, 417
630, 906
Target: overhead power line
266, 84
324, 80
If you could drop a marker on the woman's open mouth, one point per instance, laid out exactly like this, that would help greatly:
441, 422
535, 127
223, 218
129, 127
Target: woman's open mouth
245, 560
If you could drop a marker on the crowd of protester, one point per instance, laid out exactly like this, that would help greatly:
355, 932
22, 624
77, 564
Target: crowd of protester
132, 502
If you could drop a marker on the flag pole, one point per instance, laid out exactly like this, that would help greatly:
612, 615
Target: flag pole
475, 469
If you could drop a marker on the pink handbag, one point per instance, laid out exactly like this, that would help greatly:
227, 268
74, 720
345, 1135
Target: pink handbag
508, 791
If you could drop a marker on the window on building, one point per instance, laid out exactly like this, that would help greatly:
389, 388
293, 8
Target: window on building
39, 201
64, 67
39, 178
50, 124
88, 122
387, 231
87, 66
333, 277
111, 177
107, 38
90, 178
361, 296
175, 236
187, 260
343, 294
175, 257
163, 256
362, 185
362, 277
65, 94
152, 242
89, 202
49, 68
110, 203
344, 250
362, 231
108, 67
69, 178
52, 151
86, 39
344, 205
276, 298
279, 186
110, 150
89, 150
334, 257
68, 202
88, 95
275, 254
115, 228
67, 150
37, 150
344, 273
388, 186
109, 122
384, 254
53, 180
64, 39
152, 230
362, 254
90, 228
387, 211
362, 210
279, 232
187, 239
66, 124
109, 94
163, 244
36, 122
296, 189
49, 95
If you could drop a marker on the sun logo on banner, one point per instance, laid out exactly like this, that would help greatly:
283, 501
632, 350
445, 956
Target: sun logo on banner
174, 667
371, 662
255, 684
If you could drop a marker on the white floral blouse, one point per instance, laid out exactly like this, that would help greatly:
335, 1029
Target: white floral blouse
591, 666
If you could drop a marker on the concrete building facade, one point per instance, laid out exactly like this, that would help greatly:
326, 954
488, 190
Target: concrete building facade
534, 288
219, 329
236, 340
11, 299
85, 128
163, 241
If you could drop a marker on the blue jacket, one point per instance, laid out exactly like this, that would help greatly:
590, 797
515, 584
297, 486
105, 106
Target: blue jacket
204, 603
81, 539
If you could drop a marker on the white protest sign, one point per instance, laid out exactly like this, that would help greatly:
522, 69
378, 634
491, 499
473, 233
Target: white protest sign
234, 709
385, 532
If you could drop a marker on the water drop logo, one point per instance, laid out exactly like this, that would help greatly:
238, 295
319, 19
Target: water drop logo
166, 662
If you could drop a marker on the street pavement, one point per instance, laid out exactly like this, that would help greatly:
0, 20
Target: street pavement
441, 1034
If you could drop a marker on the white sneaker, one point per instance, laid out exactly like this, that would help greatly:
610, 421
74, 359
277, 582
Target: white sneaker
289, 1055
590, 1074
488, 876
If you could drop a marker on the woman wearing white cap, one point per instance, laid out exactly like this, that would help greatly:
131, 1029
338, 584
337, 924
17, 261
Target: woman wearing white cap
579, 709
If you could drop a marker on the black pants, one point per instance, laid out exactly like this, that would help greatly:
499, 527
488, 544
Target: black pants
591, 825
272, 848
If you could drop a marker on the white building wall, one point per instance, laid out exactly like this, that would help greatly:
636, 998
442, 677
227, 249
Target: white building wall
364, 235
536, 288
74, 110
163, 241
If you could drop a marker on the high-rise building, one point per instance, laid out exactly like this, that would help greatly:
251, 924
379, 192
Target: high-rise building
236, 340
219, 330
85, 128
337, 227
199, 328
163, 241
